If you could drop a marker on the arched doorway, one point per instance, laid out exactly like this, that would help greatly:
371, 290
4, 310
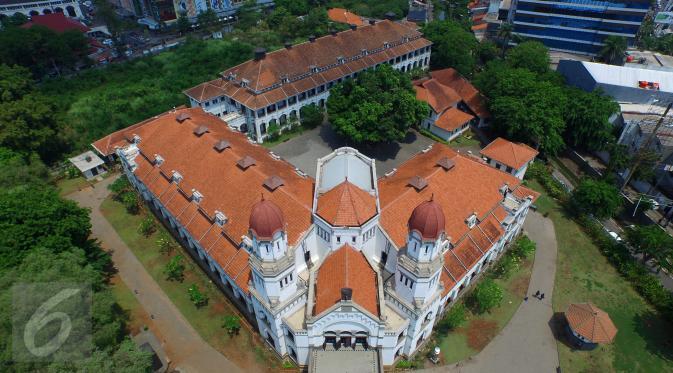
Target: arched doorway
46, 11
71, 11
330, 339
361, 339
346, 339
283, 119
34, 13
58, 10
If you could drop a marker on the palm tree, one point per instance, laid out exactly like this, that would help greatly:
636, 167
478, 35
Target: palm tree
504, 34
613, 50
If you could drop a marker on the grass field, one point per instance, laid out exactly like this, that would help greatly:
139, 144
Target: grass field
643, 343
479, 330
245, 349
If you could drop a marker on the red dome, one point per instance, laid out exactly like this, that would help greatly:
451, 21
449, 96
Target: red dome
266, 219
428, 220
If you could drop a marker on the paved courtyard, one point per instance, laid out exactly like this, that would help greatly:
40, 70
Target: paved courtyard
304, 150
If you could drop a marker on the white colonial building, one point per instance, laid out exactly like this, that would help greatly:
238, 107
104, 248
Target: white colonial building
347, 263
273, 87
70, 8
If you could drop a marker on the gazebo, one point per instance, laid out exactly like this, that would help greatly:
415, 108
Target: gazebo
589, 325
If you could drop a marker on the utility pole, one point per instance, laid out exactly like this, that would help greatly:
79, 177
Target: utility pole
645, 146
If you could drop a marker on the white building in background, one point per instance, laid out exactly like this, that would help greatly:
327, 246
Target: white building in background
511, 157
70, 8
347, 264
273, 87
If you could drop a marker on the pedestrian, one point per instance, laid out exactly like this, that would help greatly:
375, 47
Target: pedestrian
525, 299
542, 296
152, 316
537, 294
135, 291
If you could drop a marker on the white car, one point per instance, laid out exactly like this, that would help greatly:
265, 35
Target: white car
615, 236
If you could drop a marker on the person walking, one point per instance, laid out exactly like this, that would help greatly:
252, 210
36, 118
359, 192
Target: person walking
537, 294
542, 296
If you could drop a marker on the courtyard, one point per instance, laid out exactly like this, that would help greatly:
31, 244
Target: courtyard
304, 150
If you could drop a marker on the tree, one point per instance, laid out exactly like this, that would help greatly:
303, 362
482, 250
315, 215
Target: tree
15, 82
311, 116
208, 20
598, 198
248, 15
232, 324
531, 55
273, 131
378, 106
486, 295
17, 19
35, 216
487, 51
613, 50
315, 22
17, 170
653, 243
128, 358
452, 46
505, 34
175, 269
587, 117
620, 158
165, 243
183, 23
197, 297
523, 247
453, 318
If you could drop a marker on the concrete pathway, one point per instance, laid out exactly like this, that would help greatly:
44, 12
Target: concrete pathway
188, 352
527, 343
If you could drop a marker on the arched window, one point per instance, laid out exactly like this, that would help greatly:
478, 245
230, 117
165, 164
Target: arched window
71, 11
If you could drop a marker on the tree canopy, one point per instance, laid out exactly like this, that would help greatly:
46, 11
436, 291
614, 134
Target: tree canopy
598, 198
531, 55
587, 119
377, 106
452, 46
653, 243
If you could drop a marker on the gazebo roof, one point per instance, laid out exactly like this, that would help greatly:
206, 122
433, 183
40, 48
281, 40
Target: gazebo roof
591, 322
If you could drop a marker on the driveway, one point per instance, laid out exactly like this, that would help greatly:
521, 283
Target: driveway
527, 343
304, 150
184, 346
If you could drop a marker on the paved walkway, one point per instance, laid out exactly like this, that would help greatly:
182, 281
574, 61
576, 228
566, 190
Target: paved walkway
188, 351
527, 343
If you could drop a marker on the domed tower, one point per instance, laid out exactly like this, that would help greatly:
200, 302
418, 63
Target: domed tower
420, 263
272, 264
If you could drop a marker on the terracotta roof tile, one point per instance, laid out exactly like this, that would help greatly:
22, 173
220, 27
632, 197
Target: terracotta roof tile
452, 119
440, 97
346, 205
343, 16
346, 268
591, 322
469, 94
509, 153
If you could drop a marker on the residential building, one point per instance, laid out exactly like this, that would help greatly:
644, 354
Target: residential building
578, 26
624, 84
511, 157
272, 88
70, 8
454, 103
345, 260
89, 164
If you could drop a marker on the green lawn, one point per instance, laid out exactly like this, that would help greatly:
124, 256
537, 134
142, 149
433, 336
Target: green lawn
479, 330
643, 343
285, 136
66, 186
467, 139
137, 317
246, 349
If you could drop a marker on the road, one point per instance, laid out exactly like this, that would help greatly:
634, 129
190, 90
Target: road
527, 343
187, 350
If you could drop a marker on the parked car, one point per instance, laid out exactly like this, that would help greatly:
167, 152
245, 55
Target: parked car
615, 236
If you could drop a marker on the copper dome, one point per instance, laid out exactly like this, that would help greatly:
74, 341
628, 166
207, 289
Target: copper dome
266, 219
428, 220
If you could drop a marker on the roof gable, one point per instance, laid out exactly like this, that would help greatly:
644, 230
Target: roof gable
512, 154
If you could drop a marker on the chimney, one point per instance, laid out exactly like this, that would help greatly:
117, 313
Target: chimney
288, 45
346, 293
260, 53
311, 38
353, 27
333, 32
372, 21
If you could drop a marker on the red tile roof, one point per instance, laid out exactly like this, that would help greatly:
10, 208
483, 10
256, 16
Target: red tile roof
591, 322
56, 22
438, 96
346, 268
346, 205
264, 77
225, 186
512, 154
469, 94
452, 119
343, 16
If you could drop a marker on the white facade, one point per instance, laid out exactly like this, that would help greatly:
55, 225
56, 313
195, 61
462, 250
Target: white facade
288, 109
281, 295
519, 173
70, 8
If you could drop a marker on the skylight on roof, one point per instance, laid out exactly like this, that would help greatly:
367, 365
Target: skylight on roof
200, 130
221, 145
446, 163
182, 117
273, 182
246, 162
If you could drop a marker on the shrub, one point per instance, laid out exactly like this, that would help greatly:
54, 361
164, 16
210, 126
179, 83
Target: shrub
404, 364
523, 247
311, 116
507, 265
119, 186
197, 297
130, 201
273, 132
147, 226
175, 269
538, 171
486, 296
232, 324
453, 319
165, 243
